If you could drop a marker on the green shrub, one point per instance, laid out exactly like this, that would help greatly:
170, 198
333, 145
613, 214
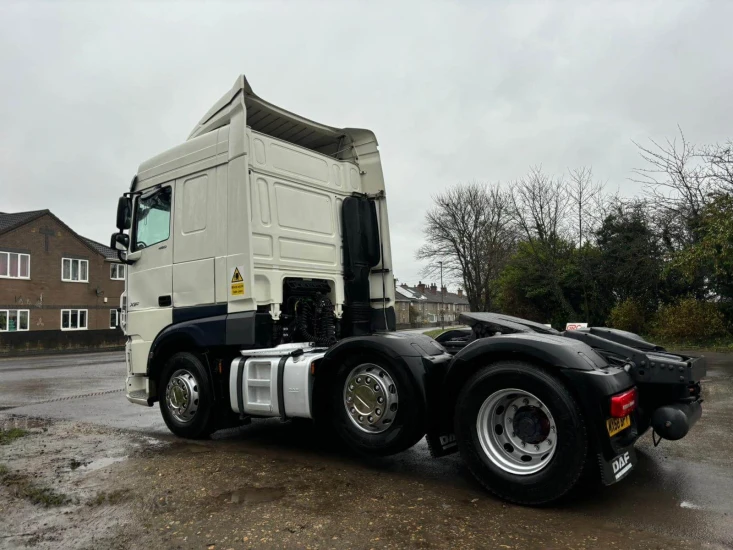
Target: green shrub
629, 315
690, 320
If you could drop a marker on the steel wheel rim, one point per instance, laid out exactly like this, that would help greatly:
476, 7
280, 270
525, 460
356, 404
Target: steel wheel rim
517, 431
182, 396
370, 398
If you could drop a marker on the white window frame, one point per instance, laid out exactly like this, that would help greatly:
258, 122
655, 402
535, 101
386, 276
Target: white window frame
117, 318
17, 316
17, 275
71, 270
114, 272
78, 315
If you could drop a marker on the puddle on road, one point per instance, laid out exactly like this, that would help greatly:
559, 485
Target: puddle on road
95, 464
23, 423
690, 505
253, 495
150, 443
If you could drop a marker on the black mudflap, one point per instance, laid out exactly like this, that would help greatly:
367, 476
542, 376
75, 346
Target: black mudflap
441, 445
619, 466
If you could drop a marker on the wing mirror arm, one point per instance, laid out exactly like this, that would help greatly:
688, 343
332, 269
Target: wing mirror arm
121, 243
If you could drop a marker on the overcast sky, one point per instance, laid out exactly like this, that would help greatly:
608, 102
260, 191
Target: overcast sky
454, 91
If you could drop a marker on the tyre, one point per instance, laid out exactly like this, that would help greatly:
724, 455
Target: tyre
521, 433
186, 402
375, 407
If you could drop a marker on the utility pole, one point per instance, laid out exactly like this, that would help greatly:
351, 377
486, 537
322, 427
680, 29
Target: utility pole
442, 297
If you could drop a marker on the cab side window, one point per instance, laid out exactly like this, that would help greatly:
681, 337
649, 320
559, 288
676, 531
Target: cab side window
152, 219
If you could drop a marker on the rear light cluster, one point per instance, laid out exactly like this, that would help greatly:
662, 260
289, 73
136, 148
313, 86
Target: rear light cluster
624, 403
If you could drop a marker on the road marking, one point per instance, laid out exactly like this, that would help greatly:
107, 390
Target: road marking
67, 398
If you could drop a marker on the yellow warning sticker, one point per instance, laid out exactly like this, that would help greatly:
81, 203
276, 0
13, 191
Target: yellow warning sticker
237, 283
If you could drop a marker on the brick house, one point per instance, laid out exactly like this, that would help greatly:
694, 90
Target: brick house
428, 303
57, 288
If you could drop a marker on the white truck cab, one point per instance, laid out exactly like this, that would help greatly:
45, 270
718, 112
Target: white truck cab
226, 229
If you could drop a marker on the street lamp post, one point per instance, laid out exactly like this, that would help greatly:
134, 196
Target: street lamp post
442, 298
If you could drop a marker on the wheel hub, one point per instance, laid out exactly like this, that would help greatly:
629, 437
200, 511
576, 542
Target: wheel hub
178, 397
531, 425
365, 399
182, 396
370, 398
517, 431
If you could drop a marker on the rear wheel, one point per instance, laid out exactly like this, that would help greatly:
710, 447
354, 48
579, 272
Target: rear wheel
375, 407
521, 433
186, 402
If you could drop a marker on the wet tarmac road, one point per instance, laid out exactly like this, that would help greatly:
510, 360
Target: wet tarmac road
680, 490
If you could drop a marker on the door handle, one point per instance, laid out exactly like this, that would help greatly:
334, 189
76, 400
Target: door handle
164, 301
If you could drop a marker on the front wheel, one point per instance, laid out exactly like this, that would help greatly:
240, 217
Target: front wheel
375, 407
186, 402
521, 433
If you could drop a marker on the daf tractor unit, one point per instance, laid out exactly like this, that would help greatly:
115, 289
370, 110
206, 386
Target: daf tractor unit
260, 284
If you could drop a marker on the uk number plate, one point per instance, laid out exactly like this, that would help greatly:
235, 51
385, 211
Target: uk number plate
615, 425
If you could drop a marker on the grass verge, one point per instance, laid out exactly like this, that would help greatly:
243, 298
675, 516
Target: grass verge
21, 487
8, 436
438, 331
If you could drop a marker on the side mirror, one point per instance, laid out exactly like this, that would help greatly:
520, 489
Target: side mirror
120, 241
124, 213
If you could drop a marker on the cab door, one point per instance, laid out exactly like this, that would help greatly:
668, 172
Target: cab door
150, 277
195, 244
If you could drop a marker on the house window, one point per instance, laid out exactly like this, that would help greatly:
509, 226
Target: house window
13, 320
114, 318
75, 270
15, 266
73, 319
117, 272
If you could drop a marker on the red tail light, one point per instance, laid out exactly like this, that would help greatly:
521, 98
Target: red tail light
623, 403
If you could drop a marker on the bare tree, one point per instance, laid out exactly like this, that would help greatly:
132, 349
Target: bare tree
718, 161
540, 205
678, 184
590, 205
588, 201
469, 230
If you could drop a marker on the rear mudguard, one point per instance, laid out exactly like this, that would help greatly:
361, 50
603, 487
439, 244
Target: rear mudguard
586, 374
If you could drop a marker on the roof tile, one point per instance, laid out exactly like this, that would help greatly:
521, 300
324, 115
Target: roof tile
106, 251
9, 221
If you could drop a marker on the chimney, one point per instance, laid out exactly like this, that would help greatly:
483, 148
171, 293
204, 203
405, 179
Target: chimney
433, 288
444, 291
460, 293
404, 285
421, 287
